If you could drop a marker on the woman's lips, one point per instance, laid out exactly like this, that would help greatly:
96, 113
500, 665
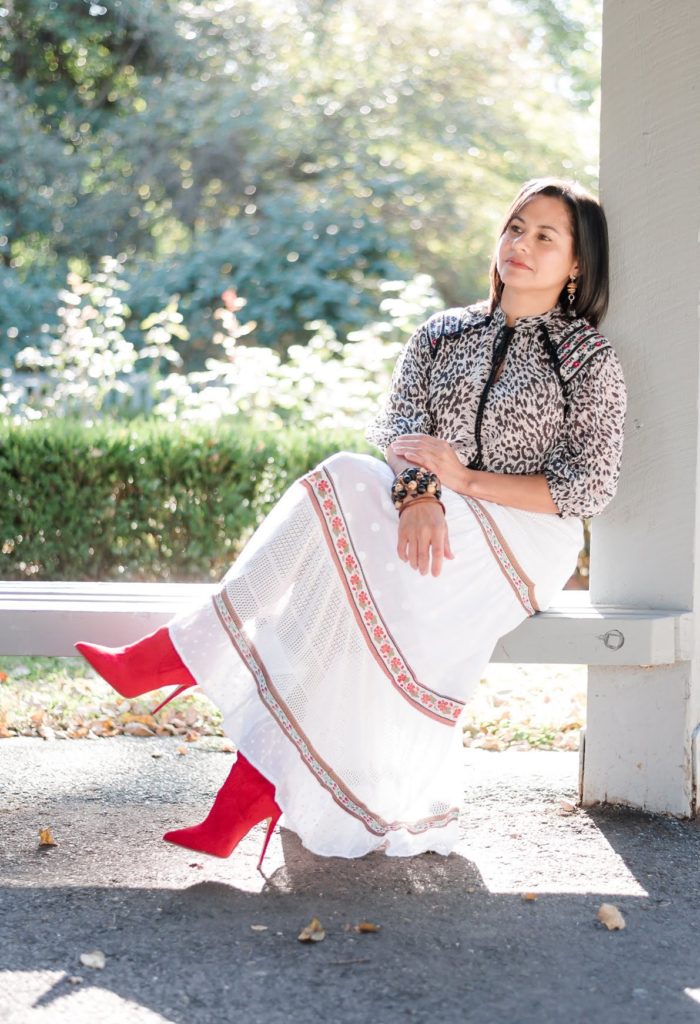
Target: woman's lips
517, 263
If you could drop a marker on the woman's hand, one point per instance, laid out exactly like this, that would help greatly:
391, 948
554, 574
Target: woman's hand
423, 538
435, 455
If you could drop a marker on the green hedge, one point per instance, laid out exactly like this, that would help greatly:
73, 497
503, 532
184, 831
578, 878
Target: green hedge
142, 501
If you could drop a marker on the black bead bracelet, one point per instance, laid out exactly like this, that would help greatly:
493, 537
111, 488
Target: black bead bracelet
413, 483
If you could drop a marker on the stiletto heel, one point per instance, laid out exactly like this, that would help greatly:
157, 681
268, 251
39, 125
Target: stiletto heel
145, 665
245, 799
268, 836
173, 695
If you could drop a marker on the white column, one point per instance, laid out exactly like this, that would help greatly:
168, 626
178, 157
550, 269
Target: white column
639, 743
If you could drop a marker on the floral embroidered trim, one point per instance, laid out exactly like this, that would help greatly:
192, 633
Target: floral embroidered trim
575, 351
522, 585
272, 701
445, 709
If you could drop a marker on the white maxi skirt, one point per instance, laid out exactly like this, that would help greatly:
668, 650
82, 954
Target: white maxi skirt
342, 673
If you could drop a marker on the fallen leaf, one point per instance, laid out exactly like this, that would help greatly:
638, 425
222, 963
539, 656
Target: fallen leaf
102, 725
192, 736
566, 807
314, 932
182, 751
528, 897
137, 729
258, 928
3, 677
491, 743
148, 720
227, 747
166, 729
609, 915
36, 718
95, 959
366, 927
195, 864
46, 837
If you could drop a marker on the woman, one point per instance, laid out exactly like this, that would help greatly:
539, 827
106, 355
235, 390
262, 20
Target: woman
346, 639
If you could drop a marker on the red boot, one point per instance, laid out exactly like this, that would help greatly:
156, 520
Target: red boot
245, 799
146, 665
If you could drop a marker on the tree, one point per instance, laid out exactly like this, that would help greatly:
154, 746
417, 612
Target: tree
300, 152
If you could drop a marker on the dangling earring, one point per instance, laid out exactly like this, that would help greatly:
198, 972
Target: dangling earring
571, 290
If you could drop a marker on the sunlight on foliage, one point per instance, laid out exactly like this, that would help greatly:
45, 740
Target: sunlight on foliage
90, 367
301, 152
325, 382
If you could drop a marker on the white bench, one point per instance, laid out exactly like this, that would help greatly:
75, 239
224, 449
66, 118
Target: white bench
47, 618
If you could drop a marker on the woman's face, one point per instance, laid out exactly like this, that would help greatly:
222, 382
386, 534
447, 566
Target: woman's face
536, 251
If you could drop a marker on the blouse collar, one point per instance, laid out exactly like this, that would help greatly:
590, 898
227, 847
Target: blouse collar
499, 318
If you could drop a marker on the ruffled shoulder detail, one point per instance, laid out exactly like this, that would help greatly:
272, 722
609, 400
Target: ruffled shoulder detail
452, 322
578, 346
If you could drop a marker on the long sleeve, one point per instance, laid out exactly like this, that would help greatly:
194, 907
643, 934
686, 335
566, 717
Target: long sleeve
407, 406
583, 468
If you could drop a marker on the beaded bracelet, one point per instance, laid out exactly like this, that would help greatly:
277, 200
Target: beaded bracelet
412, 483
416, 501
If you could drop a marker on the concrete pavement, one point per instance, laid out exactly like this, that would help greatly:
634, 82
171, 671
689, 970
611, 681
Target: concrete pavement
193, 939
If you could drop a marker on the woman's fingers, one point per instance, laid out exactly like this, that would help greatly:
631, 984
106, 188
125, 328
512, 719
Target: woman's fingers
436, 567
423, 540
435, 455
448, 546
424, 545
419, 457
419, 552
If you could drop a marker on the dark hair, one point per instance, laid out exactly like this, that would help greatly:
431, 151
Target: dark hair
590, 234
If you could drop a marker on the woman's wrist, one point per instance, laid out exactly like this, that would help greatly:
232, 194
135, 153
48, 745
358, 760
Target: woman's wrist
529, 492
410, 502
469, 483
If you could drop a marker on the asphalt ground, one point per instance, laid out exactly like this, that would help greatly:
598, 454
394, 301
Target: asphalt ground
188, 938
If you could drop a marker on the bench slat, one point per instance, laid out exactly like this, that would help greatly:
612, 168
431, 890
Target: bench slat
47, 618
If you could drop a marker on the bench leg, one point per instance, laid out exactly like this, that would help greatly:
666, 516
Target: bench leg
641, 744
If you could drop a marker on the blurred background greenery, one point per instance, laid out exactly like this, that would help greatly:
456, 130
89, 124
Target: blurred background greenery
238, 209
299, 152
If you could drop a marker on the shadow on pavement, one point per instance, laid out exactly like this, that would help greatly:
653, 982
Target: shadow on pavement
194, 940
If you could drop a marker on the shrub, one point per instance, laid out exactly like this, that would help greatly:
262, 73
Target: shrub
90, 368
143, 500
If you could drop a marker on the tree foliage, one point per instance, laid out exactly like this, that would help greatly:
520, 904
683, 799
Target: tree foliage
299, 152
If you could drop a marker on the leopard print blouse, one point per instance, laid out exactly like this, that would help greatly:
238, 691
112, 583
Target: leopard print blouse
545, 397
